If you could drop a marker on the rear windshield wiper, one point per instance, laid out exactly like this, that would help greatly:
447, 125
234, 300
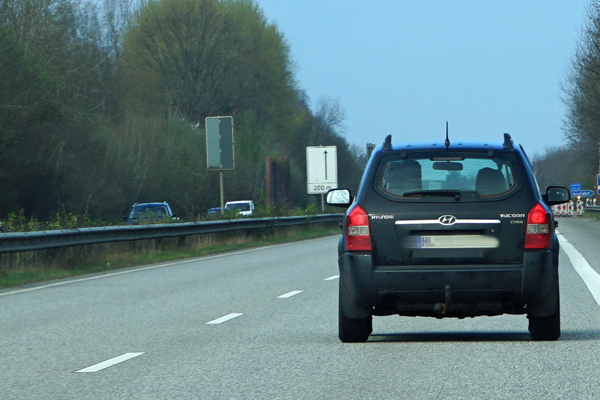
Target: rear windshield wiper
434, 193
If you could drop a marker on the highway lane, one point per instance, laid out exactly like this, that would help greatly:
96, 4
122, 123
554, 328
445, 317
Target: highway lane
282, 342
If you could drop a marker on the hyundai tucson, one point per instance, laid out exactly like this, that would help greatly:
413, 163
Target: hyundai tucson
448, 230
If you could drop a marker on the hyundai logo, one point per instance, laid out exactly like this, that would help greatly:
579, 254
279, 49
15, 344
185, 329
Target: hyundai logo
447, 220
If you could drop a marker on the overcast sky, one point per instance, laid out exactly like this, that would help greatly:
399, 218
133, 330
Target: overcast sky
405, 67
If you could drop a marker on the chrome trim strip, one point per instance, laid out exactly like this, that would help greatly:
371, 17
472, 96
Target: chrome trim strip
458, 221
478, 221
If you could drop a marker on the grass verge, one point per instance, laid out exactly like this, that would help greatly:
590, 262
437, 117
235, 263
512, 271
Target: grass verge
123, 259
591, 214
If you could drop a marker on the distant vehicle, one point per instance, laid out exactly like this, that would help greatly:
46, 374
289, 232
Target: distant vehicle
243, 207
213, 213
448, 231
149, 213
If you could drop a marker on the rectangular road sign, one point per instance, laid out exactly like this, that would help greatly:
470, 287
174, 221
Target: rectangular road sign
575, 186
582, 193
321, 169
219, 143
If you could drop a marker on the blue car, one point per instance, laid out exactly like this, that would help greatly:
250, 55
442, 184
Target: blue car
213, 213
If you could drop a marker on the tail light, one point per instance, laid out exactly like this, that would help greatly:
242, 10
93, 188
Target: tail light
537, 235
358, 232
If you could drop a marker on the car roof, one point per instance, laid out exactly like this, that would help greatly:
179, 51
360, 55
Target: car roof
457, 146
454, 144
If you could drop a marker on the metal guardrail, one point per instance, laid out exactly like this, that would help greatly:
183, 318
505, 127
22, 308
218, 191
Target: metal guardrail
27, 241
592, 208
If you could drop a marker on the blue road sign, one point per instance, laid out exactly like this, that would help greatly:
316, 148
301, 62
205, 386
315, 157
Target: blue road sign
575, 186
582, 193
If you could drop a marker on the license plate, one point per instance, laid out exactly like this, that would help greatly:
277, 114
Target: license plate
452, 242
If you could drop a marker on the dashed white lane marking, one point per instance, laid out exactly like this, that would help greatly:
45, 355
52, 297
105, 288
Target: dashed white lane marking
110, 363
224, 318
290, 294
332, 278
583, 268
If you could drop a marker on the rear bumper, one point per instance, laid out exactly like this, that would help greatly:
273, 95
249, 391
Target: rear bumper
449, 290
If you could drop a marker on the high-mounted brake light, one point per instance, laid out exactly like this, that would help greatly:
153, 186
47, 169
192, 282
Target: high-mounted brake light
358, 232
537, 235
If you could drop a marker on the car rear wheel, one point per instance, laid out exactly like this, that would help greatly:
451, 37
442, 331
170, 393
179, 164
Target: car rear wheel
353, 329
546, 328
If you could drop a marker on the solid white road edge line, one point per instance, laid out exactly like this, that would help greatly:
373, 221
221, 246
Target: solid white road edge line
110, 363
331, 278
290, 294
224, 318
583, 268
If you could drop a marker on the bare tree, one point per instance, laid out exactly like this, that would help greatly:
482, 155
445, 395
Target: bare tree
581, 91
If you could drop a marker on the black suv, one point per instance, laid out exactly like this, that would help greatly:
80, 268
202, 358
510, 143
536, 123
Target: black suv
448, 230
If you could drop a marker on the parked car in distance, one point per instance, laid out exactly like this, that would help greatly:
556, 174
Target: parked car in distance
448, 230
149, 213
242, 207
213, 213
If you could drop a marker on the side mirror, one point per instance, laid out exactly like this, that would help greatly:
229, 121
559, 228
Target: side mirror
339, 197
556, 195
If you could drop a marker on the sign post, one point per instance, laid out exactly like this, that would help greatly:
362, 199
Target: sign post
321, 170
220, 154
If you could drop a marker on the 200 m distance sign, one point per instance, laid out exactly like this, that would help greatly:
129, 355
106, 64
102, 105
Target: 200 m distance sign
321, 169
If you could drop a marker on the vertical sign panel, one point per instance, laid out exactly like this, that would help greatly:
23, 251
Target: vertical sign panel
213, 143
226, 129
219, 143
321, 169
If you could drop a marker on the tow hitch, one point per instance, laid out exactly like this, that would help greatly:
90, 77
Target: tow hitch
443, 308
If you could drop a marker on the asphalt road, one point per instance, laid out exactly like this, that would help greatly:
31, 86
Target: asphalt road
262, 324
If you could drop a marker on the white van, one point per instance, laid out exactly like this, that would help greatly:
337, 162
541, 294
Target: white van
243, 207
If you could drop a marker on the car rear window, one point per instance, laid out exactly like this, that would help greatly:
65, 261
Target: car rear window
152, 209
238, 206
464, 176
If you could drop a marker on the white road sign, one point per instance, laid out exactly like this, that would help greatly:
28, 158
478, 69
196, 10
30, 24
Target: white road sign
321, 168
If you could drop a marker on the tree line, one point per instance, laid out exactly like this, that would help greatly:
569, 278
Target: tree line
578, 161
102, 104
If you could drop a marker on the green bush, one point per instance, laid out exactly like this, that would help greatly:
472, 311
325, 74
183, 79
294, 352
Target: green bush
17, 222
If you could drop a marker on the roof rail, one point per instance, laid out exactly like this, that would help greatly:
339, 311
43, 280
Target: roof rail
508, 142
387, 143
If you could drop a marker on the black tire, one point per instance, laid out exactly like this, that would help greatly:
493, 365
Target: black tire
545, 328
352, 330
